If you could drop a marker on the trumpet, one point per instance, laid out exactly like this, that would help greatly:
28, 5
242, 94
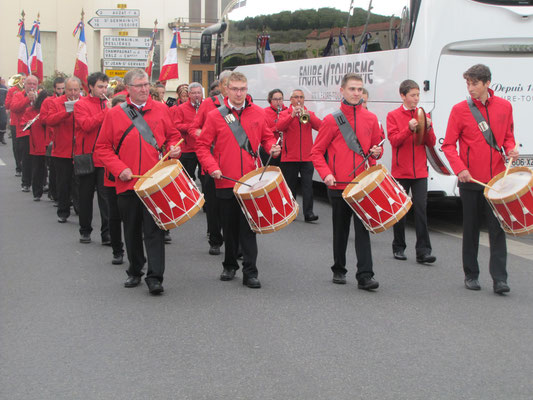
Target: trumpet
196, 105
16, 80
304, 116
113, 83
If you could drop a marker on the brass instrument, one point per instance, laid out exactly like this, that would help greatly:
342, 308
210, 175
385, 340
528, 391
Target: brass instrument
304, 116
16, 80
196, 105
113, 83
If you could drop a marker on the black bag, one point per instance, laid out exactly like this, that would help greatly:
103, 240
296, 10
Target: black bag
83, 164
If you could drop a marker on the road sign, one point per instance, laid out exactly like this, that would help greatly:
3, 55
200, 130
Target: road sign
127, 41
126, 12
114, 22
124, 64
126, 54
116, 72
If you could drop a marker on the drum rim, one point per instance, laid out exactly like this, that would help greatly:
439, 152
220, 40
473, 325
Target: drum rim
156, 187
511, 197
373, 185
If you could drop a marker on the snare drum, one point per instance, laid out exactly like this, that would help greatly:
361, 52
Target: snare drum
378, 200
170, 195
511, 200
268, 205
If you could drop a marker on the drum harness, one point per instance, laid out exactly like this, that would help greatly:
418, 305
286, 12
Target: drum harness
348, 134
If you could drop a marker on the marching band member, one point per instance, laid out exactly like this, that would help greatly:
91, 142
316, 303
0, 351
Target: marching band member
126, 150
3, 112
341, 161
479, 160
229, 159
296, 150
272, 112
21, 101
13, 121
89, 113
183, 94
409, 168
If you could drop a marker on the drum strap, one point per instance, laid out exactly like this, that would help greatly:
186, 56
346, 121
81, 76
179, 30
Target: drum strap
484, 127
347, 132
140, 123
237, 130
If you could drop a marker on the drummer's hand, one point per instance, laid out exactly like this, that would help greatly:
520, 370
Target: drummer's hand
428, 122
376, 151
513, 154
125, 175
175, 151
275, 150
413, 124
464, 176
197, 133
216, 174
329, 180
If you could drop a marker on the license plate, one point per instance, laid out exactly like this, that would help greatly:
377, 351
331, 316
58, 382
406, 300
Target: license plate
524, 160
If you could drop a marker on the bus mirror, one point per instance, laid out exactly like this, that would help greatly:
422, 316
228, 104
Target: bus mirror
426, 86
205, 43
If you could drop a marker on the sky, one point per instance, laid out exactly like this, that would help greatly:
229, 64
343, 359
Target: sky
258, 7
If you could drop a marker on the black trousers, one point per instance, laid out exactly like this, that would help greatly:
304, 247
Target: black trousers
115, 222
419, 190
87, 186
237, 231
264, 158
64, 185
190, 163
52, 180
341, 215
18, 164
138, 223
305, 169
475, 209
23, 150
38, 174
212, 211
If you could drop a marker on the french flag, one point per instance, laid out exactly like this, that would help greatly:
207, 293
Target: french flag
22, 67
269, 56
81, 68
36, 57
169, 70
150, 61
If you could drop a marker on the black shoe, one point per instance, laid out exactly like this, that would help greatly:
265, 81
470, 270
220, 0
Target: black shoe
46, 189
368, 284
117, 259
61, 220
426, 259
501, 287
85, 238
311, 218
400, 255
18, 173
214, 250
106, 241
36, 199
132, 281
252, 283
25, 189
339, 278
472, 284
227, 275
154, 287
56, 204
168, 239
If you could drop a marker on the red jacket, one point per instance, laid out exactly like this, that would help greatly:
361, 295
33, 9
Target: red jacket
135, 153
46, 108
64, 128
89, 113
19, 104
409, 161
342, 160
227, 156
482, 161
13, 118
297, 137
272, 119
38, 137
183, 116
207, 106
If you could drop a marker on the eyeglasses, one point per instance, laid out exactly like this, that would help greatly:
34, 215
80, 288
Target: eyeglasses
279, 99
236, 90
297, 97
140, 85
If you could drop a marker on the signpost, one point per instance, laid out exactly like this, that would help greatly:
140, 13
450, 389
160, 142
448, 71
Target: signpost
127, 41
124, 12
114, 22
126, 54
124, 63
116, 72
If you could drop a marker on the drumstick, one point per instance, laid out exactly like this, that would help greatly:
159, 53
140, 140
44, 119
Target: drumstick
166, 156
483, 184
268, 161
235, 180
346, 183
509, 165
366, 158
141, 176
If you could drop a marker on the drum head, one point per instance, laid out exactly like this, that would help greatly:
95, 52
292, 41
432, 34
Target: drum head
157, 176
513, 183
268, 177
364, 182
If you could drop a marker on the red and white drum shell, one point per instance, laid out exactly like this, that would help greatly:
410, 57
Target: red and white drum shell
269, 204
377, 199
170, 195
511, 200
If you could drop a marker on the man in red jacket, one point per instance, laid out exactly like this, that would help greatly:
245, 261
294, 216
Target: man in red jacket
61, 118
481, 161
19, 87
89, 114
21, 101
272, 112
338, 168
124, 152
296, 150
228, 159
409, 168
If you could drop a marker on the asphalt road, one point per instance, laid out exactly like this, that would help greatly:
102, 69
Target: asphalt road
70, 330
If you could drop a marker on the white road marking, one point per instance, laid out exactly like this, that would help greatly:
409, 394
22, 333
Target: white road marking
2, 163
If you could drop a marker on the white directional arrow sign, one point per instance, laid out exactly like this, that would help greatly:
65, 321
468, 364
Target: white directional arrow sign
126, 54
114, 22
127, 41
124, 64
116, 12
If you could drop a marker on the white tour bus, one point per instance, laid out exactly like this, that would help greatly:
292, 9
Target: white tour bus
438, 40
